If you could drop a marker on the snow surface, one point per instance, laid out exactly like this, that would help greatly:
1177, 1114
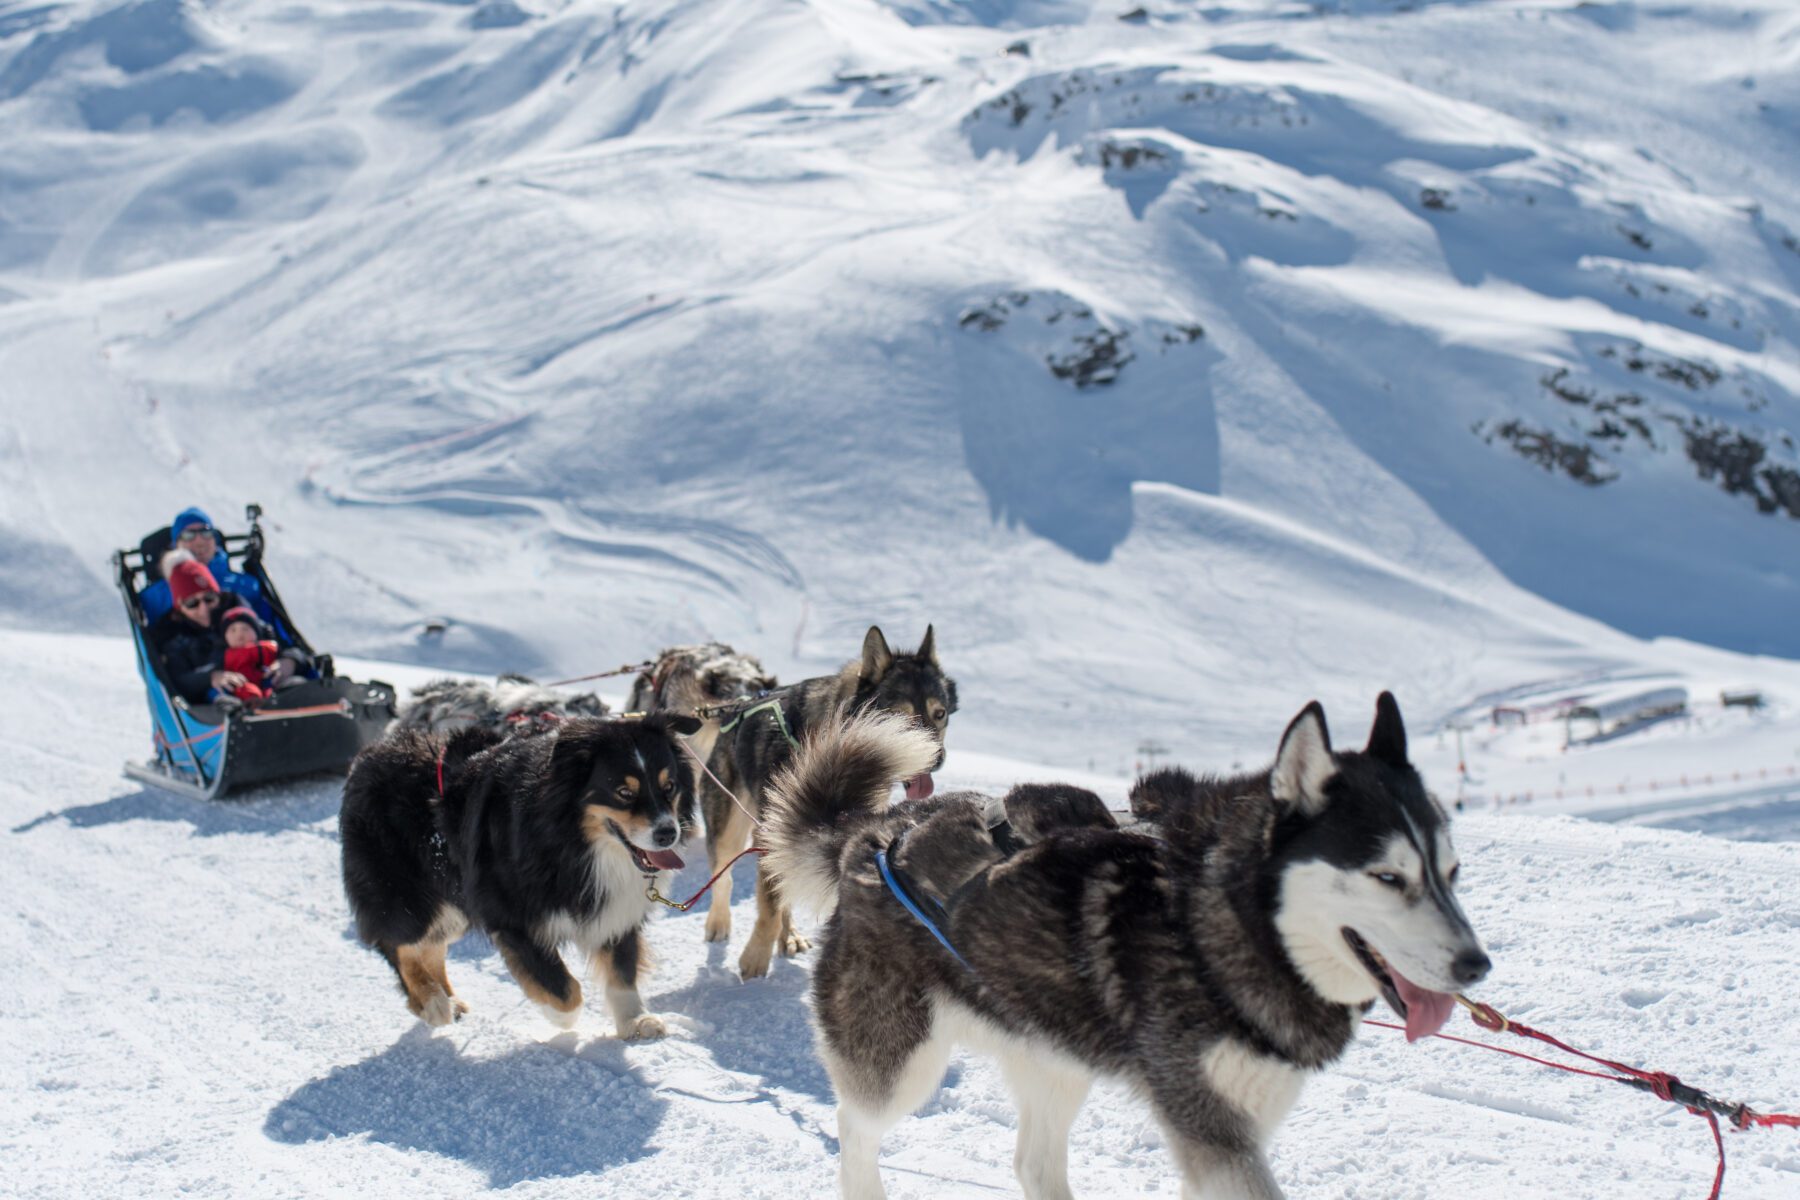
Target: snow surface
1160, 363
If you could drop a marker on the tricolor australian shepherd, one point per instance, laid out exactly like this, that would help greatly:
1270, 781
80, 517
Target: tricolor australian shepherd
536, 841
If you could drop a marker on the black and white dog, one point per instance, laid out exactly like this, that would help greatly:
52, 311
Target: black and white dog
512, 704
1214, 967
760, 739
537, 841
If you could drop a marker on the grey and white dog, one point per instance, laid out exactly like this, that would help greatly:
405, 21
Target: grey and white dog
684, 679
1214, 966
511, 704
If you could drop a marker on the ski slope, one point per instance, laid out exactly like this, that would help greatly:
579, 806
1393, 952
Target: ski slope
190, 1014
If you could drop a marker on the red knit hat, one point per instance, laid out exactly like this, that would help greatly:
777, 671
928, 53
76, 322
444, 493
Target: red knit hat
190, 579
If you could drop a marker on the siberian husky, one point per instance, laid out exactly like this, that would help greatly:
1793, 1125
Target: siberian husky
1213, 965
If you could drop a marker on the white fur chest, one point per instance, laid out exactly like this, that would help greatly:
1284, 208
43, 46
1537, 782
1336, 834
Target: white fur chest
624, 908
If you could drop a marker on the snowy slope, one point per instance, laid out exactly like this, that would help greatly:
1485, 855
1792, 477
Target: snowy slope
1147, 358
189, 1014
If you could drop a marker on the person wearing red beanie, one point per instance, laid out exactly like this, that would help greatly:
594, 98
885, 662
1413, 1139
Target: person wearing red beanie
190, 583
192, 643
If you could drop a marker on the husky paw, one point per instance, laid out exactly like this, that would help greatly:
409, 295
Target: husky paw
645, 1027
754, 962
718, 924
560, 1018
794, 944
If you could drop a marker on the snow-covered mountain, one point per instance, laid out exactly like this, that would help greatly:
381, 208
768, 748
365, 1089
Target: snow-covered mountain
1143, 353
1150, 353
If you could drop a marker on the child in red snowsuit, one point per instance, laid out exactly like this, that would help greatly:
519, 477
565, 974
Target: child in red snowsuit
249, 652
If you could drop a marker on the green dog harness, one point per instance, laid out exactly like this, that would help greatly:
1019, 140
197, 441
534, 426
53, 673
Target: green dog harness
771, 705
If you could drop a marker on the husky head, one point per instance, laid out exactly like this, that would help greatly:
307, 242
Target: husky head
627, 785
913, 685
1367, 874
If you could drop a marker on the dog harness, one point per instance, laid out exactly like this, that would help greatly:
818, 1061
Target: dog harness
926, 911
916, 904
771, 705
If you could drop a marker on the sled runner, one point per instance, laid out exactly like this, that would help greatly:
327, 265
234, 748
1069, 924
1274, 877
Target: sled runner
207, 750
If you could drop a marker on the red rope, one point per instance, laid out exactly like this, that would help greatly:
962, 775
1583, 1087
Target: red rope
1664, 1085
1503, 1050
695, 898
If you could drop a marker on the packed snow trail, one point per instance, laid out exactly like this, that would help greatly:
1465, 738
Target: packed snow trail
191, 1014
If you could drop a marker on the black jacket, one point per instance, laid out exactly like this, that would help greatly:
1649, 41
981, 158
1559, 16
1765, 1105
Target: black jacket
192, 652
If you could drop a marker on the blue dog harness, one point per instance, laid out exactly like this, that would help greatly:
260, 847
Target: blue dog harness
926, 911
916, 905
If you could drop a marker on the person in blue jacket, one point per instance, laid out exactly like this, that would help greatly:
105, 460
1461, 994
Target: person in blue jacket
193, 531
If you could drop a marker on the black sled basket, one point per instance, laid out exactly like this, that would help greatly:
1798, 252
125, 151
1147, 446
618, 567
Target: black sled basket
205, 751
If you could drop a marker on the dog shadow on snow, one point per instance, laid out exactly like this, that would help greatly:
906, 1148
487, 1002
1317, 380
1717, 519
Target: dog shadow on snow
533, 1113
762, 1028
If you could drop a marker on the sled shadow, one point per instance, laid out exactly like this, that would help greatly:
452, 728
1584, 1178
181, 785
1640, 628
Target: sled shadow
536, 1113
267, 810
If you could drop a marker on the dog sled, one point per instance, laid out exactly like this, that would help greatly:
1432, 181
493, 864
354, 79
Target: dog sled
207, 750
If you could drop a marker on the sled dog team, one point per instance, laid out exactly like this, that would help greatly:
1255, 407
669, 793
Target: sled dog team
1213, 952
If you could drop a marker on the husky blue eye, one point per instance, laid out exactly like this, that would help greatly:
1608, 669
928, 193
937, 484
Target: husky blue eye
1389, 879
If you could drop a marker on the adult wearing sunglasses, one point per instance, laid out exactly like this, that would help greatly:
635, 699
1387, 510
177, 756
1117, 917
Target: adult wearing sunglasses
193, 532
192, 644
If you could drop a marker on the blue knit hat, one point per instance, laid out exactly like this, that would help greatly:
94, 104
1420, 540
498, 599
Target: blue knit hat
186, 517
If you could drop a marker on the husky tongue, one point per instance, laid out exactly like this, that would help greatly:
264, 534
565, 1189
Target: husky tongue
667, 860
1426, 1012
919, 786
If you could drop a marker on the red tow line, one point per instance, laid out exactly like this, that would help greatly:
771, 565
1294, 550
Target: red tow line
683, 906
1660, 1083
